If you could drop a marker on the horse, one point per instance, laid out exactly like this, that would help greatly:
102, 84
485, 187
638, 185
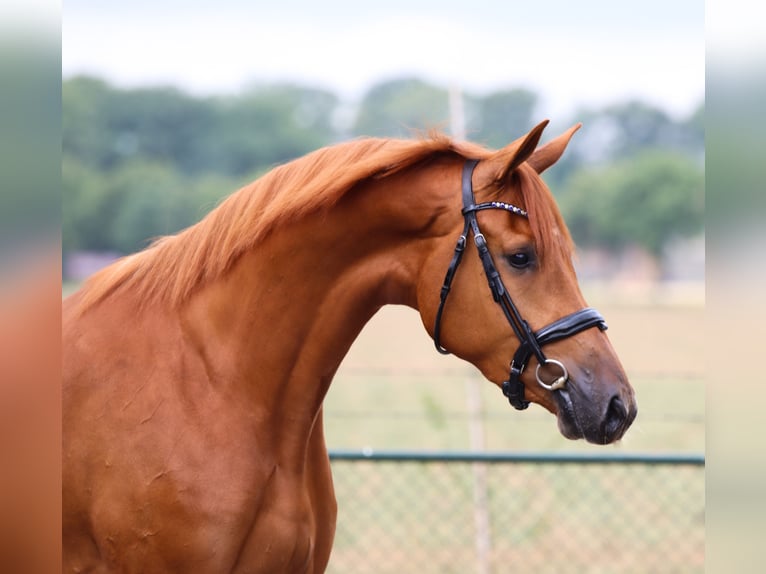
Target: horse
194, 371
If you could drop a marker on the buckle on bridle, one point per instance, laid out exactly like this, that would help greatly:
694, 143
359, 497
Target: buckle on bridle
513, 388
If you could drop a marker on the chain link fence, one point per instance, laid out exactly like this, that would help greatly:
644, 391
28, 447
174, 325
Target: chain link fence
462, 513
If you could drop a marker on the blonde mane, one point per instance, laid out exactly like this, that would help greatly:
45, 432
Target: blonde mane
174, 266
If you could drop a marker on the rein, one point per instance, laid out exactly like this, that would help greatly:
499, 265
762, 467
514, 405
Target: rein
530, 342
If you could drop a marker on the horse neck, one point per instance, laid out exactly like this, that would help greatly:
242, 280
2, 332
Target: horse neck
280, 322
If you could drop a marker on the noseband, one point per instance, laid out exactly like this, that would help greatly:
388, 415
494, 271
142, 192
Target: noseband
530, 342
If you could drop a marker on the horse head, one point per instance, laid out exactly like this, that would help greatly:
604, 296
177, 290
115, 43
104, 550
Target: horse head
511, 295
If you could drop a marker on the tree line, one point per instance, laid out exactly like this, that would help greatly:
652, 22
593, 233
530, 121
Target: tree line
139, 163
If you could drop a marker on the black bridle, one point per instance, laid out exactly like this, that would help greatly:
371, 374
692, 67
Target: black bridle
530, 343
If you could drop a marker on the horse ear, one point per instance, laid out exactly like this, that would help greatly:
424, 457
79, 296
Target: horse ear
499, 166
547, 155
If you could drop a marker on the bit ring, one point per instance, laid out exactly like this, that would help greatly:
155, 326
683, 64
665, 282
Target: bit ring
557, 383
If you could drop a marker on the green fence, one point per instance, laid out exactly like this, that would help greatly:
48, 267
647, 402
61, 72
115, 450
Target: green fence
404, 512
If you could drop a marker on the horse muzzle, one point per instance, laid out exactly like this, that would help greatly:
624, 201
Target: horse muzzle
601, 419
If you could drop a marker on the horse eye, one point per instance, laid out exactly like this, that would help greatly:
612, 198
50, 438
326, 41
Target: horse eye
519, 260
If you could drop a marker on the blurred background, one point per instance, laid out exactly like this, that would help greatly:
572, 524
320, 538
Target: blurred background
169, 107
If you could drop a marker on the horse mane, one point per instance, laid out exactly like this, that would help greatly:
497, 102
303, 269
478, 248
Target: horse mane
172, 267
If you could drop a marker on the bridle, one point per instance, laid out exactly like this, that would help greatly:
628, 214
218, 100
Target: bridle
530, 343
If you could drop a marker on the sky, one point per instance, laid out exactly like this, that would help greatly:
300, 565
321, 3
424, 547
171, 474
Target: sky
584, 53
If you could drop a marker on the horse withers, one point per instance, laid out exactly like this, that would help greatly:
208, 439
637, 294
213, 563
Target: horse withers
195, 371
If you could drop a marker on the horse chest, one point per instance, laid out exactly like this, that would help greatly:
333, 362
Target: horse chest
182, 526
221, 510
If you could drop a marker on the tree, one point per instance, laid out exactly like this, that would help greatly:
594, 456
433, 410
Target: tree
270, 125
105, 127
626, 129
502, 117
644, 201
397, 108
84, 132
150, 200
83, 207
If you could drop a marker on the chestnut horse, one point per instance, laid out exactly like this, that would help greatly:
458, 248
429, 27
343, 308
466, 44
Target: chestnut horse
195, 371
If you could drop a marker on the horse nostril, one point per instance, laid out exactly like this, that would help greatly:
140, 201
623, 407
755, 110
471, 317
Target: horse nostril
614, 421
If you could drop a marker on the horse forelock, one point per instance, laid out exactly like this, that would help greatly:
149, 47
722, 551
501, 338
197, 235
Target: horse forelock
174, 266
